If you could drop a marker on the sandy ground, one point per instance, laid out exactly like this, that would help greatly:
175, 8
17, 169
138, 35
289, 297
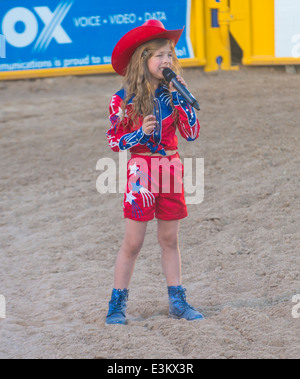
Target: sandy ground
60, 237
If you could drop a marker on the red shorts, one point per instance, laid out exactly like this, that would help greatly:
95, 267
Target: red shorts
154, 188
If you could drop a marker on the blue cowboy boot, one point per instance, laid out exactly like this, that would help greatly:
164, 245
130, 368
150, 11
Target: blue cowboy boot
178, 306
117, 307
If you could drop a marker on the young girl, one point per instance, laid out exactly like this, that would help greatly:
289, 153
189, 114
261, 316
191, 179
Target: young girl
144, 116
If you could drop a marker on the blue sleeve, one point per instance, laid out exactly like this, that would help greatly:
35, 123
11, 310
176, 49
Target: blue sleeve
137, 137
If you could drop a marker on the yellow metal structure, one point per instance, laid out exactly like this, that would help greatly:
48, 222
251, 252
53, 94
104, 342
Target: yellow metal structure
89, 70
218, 51
197, 34
253, 27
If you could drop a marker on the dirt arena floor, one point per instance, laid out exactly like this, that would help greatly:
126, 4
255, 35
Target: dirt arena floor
60, 236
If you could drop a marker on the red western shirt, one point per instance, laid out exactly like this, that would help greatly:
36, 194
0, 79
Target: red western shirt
123, 135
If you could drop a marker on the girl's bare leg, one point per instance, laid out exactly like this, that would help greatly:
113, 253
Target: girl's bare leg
170, 254
135, 232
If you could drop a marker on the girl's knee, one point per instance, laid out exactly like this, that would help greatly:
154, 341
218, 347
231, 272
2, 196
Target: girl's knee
134, 237
168, 241
133, 246
167, 234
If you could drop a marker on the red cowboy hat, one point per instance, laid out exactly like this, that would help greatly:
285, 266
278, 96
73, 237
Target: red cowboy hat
124, 49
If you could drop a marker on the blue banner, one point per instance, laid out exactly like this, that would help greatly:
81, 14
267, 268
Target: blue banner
53, 34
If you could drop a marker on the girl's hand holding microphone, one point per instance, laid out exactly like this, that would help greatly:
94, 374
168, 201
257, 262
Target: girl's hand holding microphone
149, 124
180, 80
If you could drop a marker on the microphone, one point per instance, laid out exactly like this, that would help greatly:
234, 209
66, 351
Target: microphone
170, 76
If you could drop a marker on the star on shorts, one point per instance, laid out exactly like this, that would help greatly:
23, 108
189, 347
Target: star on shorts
133, 169
136, 187
129, 198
